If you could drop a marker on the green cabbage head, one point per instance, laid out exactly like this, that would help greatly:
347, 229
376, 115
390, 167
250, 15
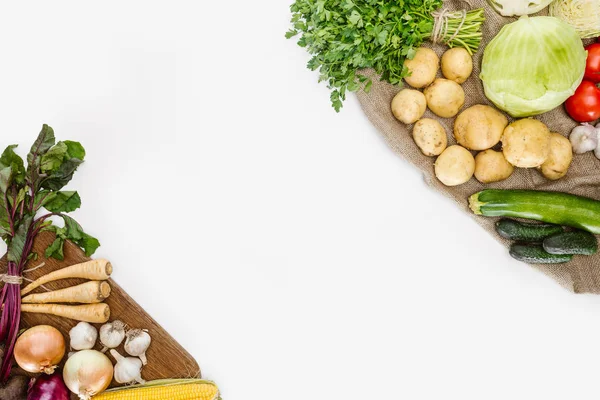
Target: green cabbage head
533, 65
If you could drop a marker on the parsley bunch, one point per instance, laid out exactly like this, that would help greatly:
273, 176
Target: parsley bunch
345, 36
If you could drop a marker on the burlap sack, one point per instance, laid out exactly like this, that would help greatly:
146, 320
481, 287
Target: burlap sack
581, 275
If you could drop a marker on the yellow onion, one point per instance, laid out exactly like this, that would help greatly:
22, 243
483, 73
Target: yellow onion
87, 373
40, 349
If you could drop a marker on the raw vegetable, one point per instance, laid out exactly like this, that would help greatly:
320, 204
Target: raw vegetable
525, 231
40, 349
457, 65
535, 254
592, 66
509, 8
532, 66
455, 166
173, 389
583, 15
422, 68
479, 127
559, 160
15, 388
83, 336
526, 143
23, 192
89, 292
491, 166
94, 313
87, 373
99, 269
584, 138
127, 369
48, 387
430, 136
409, 105
112, 335
551, 207
576, 242
138, 341
445, 97
584, 105
346, 36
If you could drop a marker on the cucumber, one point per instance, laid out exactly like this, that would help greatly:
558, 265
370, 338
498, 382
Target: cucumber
551, 207
528, 232
535, 254
576, 242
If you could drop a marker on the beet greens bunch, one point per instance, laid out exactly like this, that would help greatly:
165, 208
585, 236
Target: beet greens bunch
24, 191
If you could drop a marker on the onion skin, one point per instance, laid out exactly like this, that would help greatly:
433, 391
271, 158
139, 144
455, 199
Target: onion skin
48, 387
40, 349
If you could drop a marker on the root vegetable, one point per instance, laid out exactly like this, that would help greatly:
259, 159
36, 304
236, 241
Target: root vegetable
445, 97
408, 106
423, 68
526, 143
457, 64
479, 127
87, 373
430, 136
15, 388
455, 166
48, 387
93, 313
491, 166
40, 349
559, 159
99, 270
86, 293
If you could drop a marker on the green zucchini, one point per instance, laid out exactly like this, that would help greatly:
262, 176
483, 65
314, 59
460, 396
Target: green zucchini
535, 254
528, 232
576, 242
551, 207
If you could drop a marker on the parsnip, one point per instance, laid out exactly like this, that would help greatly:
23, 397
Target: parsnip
93, 313
98, 270
86, 293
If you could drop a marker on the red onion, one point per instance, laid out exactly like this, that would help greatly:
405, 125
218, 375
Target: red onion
48, 387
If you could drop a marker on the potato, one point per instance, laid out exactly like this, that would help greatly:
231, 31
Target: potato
423, 68
409, 106
491, 166
455, 166
526, 143
445, 98
559, 159
430, 136
479, 127
457, 65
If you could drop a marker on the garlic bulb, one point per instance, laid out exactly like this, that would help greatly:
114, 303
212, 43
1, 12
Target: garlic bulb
138, 341
584, 138
128, 369
83, 336
112, 334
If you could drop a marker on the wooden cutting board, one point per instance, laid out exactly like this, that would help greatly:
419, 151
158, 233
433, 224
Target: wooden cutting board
166, 358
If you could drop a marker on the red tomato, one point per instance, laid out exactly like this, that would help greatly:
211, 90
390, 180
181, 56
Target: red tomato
592, 67
584, 105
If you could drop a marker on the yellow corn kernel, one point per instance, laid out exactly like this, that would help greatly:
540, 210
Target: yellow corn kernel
167, 389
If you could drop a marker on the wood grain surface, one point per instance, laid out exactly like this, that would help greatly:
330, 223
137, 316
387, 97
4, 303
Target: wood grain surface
166, 358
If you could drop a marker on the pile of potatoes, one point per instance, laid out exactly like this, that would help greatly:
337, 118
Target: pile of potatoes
526, 143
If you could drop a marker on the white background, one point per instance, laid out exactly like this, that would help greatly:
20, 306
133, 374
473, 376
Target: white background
284, 245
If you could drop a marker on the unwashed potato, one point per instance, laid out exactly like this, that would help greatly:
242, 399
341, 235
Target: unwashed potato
15, 388
409, 105
457, 65
430, 136
455, 166
491, 166
423, 68
559, 159
526, 143
445, 97
479, 127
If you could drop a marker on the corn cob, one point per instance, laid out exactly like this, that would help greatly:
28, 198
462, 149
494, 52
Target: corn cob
166, 389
